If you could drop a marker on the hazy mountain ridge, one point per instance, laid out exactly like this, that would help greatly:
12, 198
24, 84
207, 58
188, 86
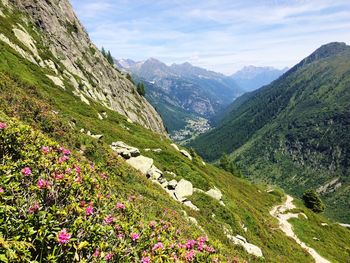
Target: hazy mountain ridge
251, 78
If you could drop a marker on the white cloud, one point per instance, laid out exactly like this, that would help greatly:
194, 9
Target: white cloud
221, 35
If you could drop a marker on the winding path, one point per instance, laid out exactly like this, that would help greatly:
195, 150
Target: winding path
279, 213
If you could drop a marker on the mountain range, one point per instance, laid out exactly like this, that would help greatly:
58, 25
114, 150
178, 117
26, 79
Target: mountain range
288, 133
184, 94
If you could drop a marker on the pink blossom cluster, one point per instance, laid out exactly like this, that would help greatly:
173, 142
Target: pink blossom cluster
158, 246
134, 236
2, 125
63, 237
26, 171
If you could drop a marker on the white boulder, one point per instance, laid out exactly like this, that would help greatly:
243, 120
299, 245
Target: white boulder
190, 205
141, 163
214, 193
183, 188
175, 147
186, 154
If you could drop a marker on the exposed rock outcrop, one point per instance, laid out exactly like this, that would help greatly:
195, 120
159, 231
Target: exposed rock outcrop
81, 63
125, 150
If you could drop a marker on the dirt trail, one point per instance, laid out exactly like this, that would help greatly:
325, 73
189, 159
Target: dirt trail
279, 213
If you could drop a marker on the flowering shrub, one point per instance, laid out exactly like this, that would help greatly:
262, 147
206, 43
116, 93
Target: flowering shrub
55, 208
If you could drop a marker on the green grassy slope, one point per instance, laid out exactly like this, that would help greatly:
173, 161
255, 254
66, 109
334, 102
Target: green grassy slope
294, 131
27, 95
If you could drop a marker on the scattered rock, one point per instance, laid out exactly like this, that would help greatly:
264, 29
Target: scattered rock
250, 248
214, 193
172, 184
104, 114
241, 238
190, 205
99, 116
204, 164
186, 154
154, 173
175, 147
141, 163
129, 120
344, 225
125, 150
222, 203
183, 188
324, 224
96, 136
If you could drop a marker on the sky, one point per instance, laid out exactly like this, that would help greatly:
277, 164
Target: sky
220, 35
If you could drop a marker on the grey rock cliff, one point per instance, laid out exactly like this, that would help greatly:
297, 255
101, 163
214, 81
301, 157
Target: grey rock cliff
84, 65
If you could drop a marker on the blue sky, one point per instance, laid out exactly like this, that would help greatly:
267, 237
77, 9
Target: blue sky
221, 35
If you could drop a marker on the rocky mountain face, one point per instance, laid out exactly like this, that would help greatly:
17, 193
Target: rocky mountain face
289, 132
251, 78
76, 61
183, 90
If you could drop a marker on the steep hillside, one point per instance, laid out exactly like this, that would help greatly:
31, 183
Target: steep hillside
82, 183
289, 132
183, 92
54, 39
251, 78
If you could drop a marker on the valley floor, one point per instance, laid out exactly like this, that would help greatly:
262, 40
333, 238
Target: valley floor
280, 212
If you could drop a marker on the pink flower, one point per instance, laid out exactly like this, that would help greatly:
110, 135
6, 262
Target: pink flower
157, 246
109, 256
202, 239
77, 169
35, 207
58, 176
89, 210
121, 236
108, 220
1, 190
190, 243
66, 152
120, 206
45, 149
26, 171
134, 236
42, 184
2, 125
179, 245
78, 179
210, 249
145, 260
63, 159
63, 237
190, 255
96, 253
